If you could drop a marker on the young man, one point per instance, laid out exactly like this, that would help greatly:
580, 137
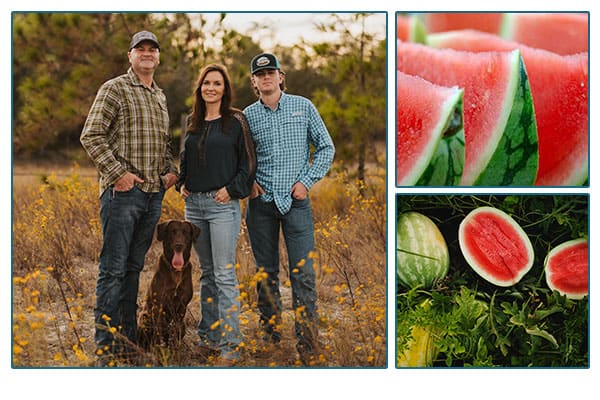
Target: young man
126, 135
283, 127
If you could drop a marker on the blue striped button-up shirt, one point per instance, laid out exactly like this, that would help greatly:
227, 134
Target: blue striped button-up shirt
283, 137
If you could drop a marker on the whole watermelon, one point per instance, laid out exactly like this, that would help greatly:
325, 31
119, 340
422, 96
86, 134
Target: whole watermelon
421, 252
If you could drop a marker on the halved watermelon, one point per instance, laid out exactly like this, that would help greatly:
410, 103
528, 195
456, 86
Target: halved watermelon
566, 268
495, 246
561, 33
409, 28
485, 22
430, 142
499, 123
559, 85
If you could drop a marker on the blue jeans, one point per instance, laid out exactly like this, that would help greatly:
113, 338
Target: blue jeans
264, 222
128, 222
219, 226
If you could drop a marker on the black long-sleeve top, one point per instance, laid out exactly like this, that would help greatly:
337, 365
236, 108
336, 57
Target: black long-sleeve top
212, 159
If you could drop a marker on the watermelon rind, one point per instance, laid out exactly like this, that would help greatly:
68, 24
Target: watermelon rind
557, 250
447, 163
420, 350
422, 257
516, 156
441, 161
480, 269
418, 31
414, 27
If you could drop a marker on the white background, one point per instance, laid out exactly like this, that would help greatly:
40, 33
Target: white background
293, 383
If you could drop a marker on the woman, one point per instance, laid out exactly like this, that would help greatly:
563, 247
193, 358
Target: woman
217, 169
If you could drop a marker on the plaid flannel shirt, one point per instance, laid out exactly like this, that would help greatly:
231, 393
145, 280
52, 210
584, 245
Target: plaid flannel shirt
127, 129
283, 138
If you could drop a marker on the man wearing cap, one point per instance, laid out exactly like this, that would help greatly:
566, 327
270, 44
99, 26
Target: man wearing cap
284, 127
126, 135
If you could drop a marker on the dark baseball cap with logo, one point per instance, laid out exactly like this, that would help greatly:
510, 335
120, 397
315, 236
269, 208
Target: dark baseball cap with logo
264, 61
142, 37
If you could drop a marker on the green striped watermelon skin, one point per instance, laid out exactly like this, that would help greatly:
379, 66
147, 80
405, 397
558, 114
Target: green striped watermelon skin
430, 142
448, 162
515, 161
422, 256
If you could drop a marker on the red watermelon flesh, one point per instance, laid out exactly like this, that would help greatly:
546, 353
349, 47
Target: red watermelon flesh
567, 267
440, 22
485, 78
495, 246
559, 86
561, 33
423, 111
403, 27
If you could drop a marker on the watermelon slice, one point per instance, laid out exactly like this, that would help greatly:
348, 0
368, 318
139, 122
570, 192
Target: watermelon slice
561, 33
559, 85
500, 131
430, 144
440, 22
495, 246
567, 267
409, 28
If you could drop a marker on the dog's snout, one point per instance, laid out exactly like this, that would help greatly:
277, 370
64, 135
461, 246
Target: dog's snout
178, 246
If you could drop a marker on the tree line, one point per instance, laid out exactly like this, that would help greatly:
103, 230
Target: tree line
61, 59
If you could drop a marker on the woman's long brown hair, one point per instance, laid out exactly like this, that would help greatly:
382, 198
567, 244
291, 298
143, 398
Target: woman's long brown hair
197, 123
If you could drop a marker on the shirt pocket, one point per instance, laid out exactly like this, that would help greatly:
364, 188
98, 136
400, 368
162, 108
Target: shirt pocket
295, 134
160, 116
263, 136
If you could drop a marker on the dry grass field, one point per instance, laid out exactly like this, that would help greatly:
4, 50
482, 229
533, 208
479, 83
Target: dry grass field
57, 239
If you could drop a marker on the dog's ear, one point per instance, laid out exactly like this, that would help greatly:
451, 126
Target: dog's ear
161, 231
195, 230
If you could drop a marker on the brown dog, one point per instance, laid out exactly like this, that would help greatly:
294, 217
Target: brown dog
171, 288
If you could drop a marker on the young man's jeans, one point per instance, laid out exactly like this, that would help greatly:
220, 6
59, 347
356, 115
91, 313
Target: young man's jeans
264, 221
128, 222
219, 226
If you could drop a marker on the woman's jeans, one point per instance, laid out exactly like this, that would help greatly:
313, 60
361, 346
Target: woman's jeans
264, 222
128, 222
219, 226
